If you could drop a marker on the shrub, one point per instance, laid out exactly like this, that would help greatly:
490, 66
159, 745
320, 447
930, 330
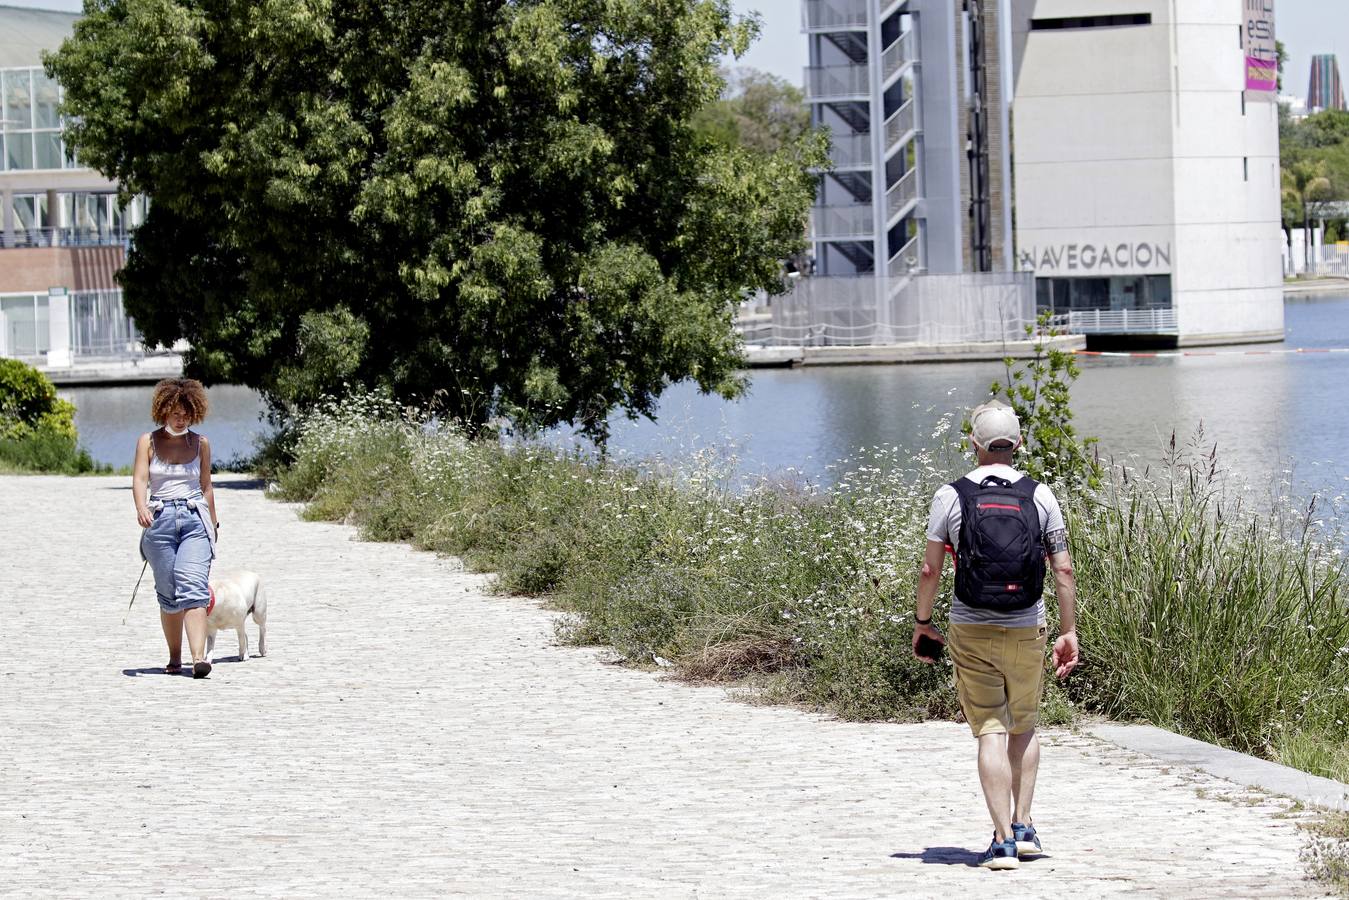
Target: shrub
28, 403
1038, 388
46, 451
37, 428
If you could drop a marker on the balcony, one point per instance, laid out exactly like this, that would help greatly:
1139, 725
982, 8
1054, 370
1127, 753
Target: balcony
850, 150
834, 15
851, 222
837, 83
901, 124
64, 237
903, 52
902, 195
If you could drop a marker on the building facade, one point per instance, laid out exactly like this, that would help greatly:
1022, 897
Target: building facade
1325, 90
894, 82
63, 230
1147, 166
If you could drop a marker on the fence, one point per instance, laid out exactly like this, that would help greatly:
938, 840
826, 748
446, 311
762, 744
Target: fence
921, 309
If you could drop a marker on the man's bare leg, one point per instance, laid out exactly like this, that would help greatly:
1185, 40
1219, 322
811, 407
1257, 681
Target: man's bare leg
1023, 753
995, 777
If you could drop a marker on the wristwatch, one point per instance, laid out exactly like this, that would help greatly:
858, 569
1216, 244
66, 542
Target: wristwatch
927, 621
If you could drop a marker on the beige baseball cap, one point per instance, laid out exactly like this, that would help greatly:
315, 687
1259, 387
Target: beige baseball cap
994, 422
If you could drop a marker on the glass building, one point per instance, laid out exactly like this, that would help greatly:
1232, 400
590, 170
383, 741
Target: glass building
63, 228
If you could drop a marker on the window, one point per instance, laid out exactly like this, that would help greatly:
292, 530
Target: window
24, 328
1061, 295
30, 121
1064, 23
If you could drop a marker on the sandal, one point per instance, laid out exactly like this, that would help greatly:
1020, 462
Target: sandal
201, 669
173, 668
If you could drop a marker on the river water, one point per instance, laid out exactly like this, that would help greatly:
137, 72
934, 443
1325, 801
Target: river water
1273, 417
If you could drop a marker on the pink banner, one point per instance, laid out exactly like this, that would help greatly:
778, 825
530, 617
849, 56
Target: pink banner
1261, 74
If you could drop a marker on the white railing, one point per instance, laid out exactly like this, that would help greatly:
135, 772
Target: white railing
826, 15
901, 194
903, 51
850, 150
906, 260
852, 221
829, 82
900, 124
1122, 321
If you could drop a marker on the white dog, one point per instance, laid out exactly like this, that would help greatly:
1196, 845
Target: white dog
237, 595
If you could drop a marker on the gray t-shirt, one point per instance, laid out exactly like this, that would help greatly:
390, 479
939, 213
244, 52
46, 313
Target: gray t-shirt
943, 525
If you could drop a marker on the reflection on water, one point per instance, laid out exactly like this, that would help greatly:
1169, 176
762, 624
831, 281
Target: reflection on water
1265, 413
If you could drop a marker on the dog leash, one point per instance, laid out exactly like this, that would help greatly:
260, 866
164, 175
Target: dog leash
134, 590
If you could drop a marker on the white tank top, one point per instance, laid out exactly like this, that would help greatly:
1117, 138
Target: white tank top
175, 481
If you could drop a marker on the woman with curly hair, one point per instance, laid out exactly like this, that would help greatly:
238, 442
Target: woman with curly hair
171, 486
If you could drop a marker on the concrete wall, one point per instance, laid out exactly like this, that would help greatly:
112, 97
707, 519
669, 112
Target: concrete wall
1227, 184
1094, 149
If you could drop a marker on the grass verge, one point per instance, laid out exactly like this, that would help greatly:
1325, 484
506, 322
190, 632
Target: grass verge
1198, 614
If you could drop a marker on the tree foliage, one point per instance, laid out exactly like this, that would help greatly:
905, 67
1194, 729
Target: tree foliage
1314, 162
502, 203
758, 111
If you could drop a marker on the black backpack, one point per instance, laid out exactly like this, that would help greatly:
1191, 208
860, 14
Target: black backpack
1000, 560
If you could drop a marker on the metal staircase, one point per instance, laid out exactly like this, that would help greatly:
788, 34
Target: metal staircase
846, 61
858, 254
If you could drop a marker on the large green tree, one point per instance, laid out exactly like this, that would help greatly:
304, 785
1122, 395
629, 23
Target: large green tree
502, 203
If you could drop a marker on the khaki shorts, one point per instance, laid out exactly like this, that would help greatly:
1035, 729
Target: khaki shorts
999, 676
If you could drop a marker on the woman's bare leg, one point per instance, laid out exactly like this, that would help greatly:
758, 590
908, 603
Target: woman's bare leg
196, 633
172, 623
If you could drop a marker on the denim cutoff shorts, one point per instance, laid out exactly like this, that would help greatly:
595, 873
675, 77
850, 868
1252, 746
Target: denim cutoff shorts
179, 551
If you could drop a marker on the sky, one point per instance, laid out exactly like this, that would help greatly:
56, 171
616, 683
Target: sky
1306, 27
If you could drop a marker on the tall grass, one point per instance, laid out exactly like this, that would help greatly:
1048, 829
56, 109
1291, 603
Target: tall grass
1204, 615
1197, 613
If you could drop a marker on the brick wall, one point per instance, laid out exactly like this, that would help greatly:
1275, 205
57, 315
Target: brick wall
76, 268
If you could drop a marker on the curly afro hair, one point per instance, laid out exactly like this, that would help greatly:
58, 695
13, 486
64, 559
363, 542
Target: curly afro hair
172, 393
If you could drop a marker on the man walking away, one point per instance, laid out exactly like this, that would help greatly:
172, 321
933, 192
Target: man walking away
1001, 526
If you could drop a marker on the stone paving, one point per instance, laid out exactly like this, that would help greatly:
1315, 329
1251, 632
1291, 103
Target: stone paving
410, 734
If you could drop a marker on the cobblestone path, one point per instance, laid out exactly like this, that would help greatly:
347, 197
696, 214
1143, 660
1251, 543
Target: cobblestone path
410, 735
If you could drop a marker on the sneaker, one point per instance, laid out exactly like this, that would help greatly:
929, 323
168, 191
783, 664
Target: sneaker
1027, 842
1000, 855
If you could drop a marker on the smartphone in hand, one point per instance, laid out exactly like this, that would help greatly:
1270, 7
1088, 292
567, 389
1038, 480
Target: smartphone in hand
930, 648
